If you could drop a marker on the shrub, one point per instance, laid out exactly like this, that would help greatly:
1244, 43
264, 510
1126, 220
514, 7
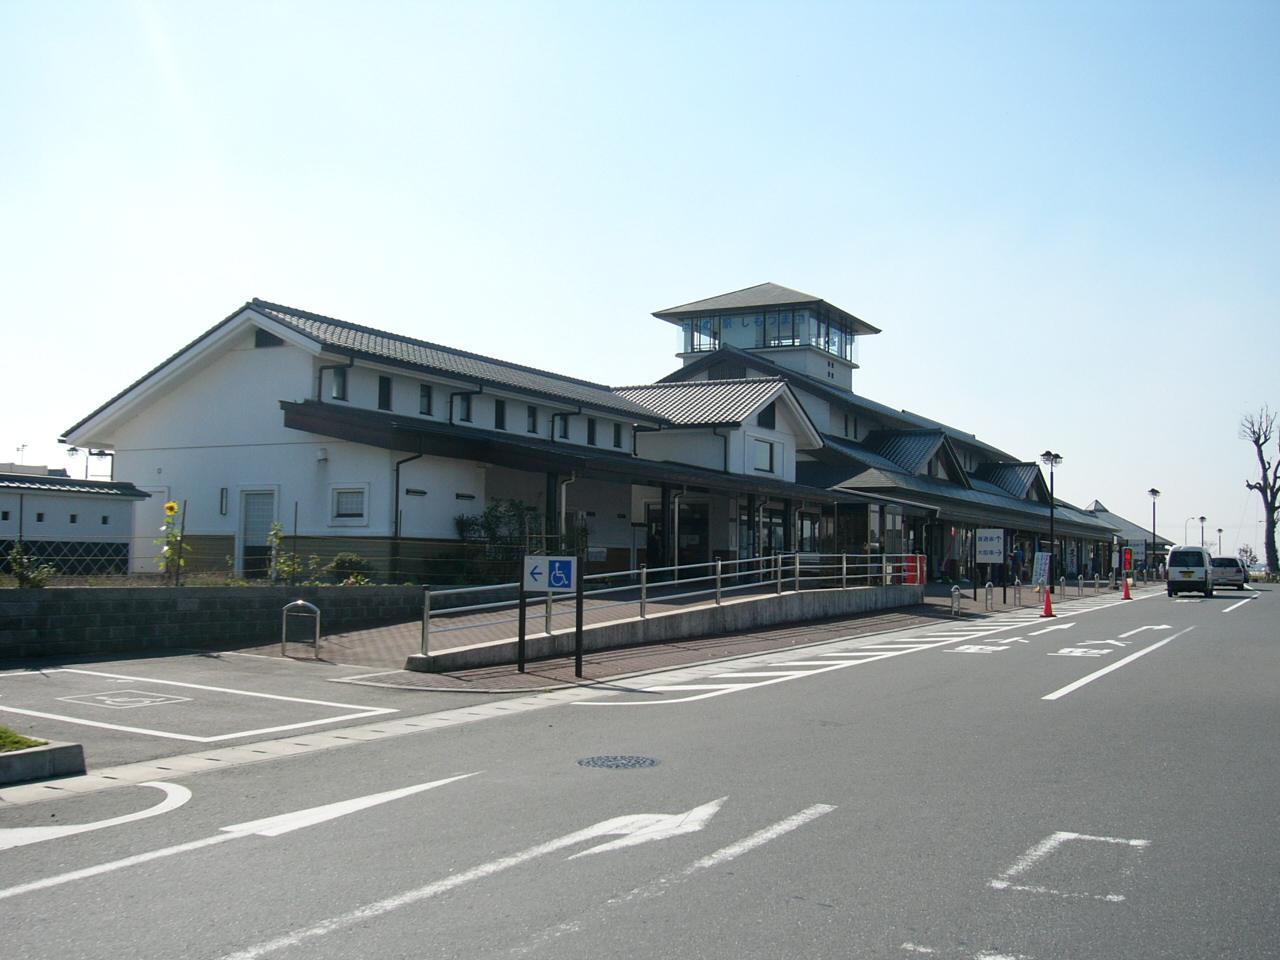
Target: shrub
28, 571
348, 567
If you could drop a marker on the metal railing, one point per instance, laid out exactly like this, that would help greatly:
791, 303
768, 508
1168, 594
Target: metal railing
688, 584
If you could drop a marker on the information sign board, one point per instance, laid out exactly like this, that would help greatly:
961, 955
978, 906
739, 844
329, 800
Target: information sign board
1139, 548
1040, 573
550, 574
990, 546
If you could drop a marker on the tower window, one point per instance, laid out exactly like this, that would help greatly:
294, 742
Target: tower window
531, 419
424, 399
591, 431
464, 408
264, 338
384, 393
768, 417
340, 383
499, 414
617, 435
564, 426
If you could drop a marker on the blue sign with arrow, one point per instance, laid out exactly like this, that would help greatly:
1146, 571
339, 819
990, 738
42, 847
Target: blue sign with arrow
550, 574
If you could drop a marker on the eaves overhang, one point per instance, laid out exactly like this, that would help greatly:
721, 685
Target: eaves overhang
536, 455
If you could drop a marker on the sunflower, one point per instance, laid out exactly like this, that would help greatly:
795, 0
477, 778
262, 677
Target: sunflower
171, 508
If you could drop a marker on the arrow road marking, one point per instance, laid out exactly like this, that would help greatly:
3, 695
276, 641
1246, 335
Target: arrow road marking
1163, 626
1056, 626
659, 826
652, 823
175, 796
270, 827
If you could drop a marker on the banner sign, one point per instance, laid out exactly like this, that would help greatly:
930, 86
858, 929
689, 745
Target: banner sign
1040, 573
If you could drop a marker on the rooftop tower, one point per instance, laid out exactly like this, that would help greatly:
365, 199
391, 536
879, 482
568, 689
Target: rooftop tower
793, 329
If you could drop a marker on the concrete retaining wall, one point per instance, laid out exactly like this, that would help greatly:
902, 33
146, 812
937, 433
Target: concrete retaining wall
73, 621
734, 616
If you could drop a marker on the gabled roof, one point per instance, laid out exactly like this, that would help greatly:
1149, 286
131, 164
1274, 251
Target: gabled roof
64, 484
1128, 529
913, 449
844, 399
367, 342
709, 403
1017, 479
762, 295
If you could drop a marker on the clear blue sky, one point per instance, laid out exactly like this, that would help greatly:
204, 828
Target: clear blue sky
1046, 207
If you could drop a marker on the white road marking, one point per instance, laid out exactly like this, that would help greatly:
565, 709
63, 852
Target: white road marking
1162, 626
1079, 652
1056, 626
145, 731
1239, 603
760, 838
1043, 849
1057, 694
975, 648
271, 827
175, 796
643, 828
434, 889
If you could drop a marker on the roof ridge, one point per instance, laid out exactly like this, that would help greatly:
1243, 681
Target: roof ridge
429, 344
696, 383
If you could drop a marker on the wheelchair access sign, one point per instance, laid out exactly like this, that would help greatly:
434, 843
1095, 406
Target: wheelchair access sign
550, 574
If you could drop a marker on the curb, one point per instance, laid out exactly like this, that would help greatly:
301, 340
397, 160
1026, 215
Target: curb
54, 759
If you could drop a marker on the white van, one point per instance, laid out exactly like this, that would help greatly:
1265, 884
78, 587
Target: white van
1190, 568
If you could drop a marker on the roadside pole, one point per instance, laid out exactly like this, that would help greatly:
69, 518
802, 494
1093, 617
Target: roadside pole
524, 610
577, 628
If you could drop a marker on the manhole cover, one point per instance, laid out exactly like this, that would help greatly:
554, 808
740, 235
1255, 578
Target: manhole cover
618, 763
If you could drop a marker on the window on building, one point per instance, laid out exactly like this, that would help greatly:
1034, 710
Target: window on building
340, 383
424, 399
768, 417
4, 514
39, 518
846, 424
531, 419
105, 519
764, 456
591, 431
348, 504
499, 414
384, 393
464, 407
264, 338
75, 518
617, 435
564, 426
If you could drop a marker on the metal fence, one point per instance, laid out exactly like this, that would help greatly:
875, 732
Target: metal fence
639, 593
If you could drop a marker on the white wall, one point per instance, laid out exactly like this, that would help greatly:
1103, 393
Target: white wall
57, 510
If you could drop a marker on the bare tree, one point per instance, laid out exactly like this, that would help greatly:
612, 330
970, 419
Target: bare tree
1259, 429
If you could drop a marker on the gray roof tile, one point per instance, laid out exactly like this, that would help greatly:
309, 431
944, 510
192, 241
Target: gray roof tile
705, 402
761, 295
449, 361
64, 484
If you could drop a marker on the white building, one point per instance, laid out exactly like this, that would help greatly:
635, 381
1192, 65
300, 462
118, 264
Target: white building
81, 527
354, 438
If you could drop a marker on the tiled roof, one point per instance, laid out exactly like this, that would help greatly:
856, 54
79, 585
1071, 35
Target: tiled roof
705, 402
1128, 529
379, 344
761, 295
909, 449
854, 450
64, 484
1015, 478
844, 399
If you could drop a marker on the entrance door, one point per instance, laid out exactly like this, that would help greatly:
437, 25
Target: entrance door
695, 522
259, 513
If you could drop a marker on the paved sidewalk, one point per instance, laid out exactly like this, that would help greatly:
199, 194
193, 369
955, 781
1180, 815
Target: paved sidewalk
388, 647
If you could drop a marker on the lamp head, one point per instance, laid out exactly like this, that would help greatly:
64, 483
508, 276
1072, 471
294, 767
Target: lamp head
1153, 493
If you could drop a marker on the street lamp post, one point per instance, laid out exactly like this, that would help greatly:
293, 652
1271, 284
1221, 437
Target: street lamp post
1184, 529
1154, 494
1219, 541
1202, 531
1051, 459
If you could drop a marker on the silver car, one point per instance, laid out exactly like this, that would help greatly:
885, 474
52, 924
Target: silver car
1229, 572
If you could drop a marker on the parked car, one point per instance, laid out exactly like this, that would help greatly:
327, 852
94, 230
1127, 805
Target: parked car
1190, 569
1229, 572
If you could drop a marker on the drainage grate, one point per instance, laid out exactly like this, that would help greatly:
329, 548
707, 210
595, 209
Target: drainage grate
618, 763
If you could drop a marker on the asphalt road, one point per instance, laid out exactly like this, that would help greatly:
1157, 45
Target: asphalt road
909, 795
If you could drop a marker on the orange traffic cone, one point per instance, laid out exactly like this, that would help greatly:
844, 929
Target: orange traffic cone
1127, 595
1048, 604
